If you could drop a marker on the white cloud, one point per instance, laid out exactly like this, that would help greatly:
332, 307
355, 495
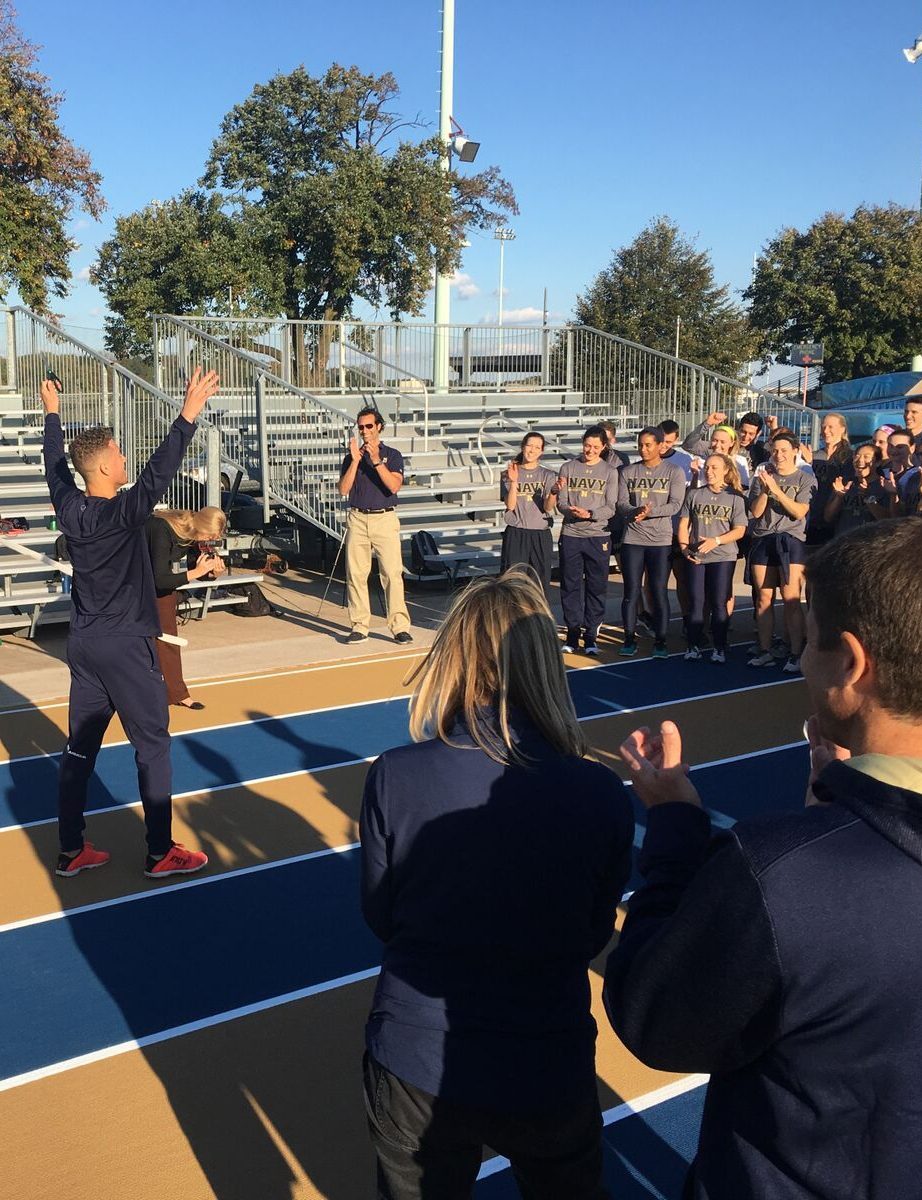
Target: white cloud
97, 312
83, 275
464, 286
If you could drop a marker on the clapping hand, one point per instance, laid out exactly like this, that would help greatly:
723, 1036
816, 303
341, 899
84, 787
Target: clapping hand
355, 449
641, 514
512, 472
655, 762
839, 485
822, 752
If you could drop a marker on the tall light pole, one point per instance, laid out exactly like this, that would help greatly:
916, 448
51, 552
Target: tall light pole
912, 54
442, 308
502, 236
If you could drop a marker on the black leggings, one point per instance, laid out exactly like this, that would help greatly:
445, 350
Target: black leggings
709, 582
656, 561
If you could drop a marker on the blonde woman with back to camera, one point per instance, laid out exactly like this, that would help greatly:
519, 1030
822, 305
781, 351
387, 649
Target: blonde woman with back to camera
494, 855
171, 534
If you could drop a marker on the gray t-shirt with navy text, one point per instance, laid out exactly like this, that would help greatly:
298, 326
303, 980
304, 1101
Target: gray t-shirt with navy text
800, 486
594, 488
712, 514
534, 486
663, 488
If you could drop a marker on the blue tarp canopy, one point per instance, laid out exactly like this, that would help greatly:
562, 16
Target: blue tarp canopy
870, 391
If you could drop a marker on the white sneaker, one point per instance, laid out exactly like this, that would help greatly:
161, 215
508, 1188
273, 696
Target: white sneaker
692, 654
718, 656
792, 666
765, 659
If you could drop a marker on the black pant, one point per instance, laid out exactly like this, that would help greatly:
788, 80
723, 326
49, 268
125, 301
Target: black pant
709, 582
534, 548
116, 674
656, 560
431, 1149
584, 563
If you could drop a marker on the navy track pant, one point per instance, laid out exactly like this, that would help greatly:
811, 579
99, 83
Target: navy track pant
709, 582
656, 561
117, 674
584, 565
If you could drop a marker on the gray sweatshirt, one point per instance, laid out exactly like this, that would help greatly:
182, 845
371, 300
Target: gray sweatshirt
594, 488
663, 487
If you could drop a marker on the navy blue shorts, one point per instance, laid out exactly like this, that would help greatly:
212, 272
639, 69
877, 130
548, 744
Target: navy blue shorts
777, 550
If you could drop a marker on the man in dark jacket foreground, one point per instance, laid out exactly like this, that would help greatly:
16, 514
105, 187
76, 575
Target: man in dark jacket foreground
785, 957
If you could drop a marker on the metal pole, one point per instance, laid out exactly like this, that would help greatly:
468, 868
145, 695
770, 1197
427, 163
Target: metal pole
212, 467
442, 306
263, 434
12, 378
502, 256
675, 373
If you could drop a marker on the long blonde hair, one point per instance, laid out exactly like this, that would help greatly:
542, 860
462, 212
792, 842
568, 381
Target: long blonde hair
208, 524
496, 650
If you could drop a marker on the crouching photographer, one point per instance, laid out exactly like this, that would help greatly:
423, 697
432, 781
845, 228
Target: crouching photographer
176, 538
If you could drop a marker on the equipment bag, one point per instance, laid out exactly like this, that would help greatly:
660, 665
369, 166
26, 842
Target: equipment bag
256, 603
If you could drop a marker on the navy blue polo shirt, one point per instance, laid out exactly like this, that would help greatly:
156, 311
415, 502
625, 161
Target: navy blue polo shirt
369, 491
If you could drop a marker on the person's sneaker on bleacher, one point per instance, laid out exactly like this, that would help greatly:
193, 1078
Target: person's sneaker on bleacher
571, 642
177, 861
792, 666
628, 650
86, 860
692, 654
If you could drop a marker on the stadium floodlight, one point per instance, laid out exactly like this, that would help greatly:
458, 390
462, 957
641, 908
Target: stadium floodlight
465, 149
914, 52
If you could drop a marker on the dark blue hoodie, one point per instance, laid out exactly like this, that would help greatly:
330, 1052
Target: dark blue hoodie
785, 959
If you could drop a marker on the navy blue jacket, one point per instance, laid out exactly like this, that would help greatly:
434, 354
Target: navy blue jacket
492, 888
785, 959
113, 584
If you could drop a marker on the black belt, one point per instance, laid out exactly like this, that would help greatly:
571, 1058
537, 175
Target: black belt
367, 511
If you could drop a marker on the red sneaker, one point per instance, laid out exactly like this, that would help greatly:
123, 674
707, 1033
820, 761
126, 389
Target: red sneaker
177, 861
86, 860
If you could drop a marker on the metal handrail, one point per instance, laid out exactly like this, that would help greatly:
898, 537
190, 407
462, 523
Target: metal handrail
111, 399
558, 444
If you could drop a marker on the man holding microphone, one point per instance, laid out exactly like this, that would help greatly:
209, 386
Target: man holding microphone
371, 476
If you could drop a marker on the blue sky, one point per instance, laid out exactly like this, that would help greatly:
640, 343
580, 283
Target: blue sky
734, 117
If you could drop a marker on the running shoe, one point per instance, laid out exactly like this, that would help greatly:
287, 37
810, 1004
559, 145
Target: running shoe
792, 666
718, 656
659, 650
571, 642
628, 650
591, 649
765, 659
692, 654
177, 861
645, 624
86, 860
779, 649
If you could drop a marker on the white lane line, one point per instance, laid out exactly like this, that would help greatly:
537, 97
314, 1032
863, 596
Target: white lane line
199, 881
589, 666
720, 819
166, 1035
230, 679
612, 1116
351, 762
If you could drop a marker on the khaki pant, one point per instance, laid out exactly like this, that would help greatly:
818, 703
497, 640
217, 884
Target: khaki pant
380, 533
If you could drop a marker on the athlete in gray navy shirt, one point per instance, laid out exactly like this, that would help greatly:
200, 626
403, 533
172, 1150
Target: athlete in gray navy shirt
525, 489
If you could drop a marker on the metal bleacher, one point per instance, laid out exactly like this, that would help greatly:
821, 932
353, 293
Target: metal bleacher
289, 395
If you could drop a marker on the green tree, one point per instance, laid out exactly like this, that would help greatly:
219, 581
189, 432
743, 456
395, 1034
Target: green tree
185, 255
330, 204
43, 176
853, 283
659, 277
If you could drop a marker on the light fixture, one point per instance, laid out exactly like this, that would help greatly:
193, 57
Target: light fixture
914, 52
461, 144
